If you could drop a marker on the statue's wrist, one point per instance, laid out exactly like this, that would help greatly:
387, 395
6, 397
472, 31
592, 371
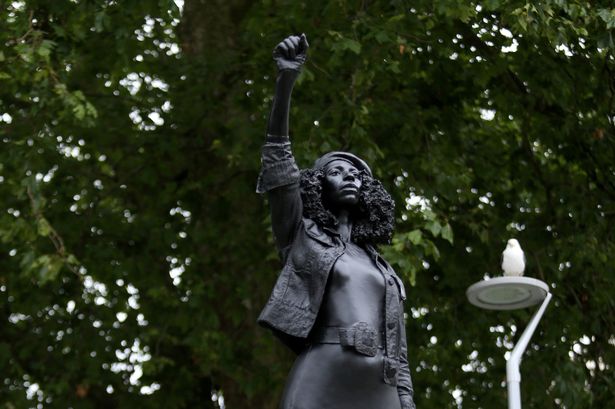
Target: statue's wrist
291, 68
286, 78
285, 65
290, 74
277, 138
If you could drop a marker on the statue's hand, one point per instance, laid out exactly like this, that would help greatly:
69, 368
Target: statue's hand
291, 53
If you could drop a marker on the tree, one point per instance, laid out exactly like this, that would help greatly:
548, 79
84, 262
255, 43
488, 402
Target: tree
135, 256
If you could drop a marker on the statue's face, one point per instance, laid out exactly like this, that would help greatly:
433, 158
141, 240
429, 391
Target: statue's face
341, 185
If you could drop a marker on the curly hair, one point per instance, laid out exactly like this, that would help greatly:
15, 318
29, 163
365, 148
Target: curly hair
373, 218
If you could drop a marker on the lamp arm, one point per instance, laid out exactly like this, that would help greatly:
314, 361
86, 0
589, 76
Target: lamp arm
513, 376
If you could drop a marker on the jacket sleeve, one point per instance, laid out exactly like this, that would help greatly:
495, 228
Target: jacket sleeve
404, 381
279, 178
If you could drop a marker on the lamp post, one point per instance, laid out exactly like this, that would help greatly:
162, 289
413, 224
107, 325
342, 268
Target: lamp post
512, 293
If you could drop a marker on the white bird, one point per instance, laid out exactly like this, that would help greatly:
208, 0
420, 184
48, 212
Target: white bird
513, 259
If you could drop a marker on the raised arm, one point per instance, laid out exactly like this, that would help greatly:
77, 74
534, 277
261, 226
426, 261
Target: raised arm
289, 55
280, 175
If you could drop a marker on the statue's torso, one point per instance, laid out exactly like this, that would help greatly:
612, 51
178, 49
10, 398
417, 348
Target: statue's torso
332, 376
354, 292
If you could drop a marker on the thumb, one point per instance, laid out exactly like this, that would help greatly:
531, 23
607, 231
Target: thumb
303, 43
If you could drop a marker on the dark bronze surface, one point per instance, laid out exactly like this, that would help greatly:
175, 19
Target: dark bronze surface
336, 303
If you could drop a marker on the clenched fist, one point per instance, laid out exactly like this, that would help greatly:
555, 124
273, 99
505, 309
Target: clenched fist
291, 53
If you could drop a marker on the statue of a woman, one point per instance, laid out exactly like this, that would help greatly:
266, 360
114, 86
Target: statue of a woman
337, 303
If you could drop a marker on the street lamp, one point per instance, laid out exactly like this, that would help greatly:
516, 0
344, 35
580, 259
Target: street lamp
512, 293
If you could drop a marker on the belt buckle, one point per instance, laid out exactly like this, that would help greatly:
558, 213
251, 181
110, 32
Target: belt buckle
365, 339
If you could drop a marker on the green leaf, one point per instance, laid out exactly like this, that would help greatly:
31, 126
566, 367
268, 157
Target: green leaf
44, 228
45, 48
49, 268
412, 275
382, 37
605, 40
353, 46
396, 18
608, 16
415, 237
434, 227
348, 44
79, 111
447, 233
71, 259
432, 250
44, 268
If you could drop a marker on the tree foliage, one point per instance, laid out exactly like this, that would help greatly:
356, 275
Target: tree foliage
135, 255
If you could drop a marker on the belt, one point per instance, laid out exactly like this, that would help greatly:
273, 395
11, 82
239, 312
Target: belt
364, 338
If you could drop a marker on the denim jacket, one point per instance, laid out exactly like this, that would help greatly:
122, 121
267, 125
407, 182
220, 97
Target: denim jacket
309, 253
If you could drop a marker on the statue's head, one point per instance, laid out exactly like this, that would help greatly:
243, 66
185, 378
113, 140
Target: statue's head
343, 181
